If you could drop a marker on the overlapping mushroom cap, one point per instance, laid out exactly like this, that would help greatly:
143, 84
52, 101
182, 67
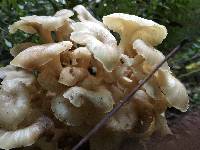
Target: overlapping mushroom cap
99, 41
163, 81
101, 98
174, 91
84, 15
71, 75
131, 27
36, 56
151, 55
43, 25
15, 96
65, 87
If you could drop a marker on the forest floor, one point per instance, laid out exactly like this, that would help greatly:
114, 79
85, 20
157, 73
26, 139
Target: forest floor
186, 133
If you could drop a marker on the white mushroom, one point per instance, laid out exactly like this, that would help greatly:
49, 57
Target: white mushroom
63, 32
124, 120
49, 75
101, 98
4, 71
14, 106
71, 75
15, 96
152, 88
66, 112
152, 56
162, 82
91, 82
66, 13
126, 60
81, 57
43, 25
26, 136
101, 43
16, 74
174, 91
84, 15
36, 56
20, 47
130, 115
131, 27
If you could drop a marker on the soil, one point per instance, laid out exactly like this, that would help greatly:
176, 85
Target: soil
186, 133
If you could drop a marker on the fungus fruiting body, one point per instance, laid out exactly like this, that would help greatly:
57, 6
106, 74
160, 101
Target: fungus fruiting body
64, 86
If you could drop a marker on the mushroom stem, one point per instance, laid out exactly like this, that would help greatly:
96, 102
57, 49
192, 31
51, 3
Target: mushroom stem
45, 36
63, 32
26, 136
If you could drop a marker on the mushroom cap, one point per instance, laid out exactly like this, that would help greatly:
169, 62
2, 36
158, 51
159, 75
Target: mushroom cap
84, 15
4, 71
20, 47
64, 13
49, 75
152, 56
71, 75
124, 120
152, 89
174, 91
126, 60
30, 24
66, 112
131, 27
14, 105
128, 116
36, 56
15, 77
15, 96
81, 57
99, 41
101, 98
63, 32
43, 25
91, 82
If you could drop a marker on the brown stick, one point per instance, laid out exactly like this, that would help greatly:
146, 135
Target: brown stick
128, 97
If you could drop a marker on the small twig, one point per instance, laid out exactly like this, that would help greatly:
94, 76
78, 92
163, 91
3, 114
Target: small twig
128, 97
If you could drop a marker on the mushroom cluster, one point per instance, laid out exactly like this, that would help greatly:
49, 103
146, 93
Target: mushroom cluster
63, 87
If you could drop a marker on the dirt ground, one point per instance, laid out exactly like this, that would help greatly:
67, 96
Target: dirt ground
186, 129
